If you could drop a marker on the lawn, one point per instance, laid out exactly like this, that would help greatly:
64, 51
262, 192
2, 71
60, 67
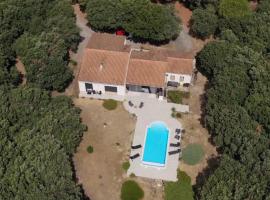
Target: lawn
180, 190
192, 154
131, 191
110, 104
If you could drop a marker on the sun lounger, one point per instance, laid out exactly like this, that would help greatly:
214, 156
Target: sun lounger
130, 103
177, 131
136, 146
174, 152
175, 145
177, 137
141, 105
134, 156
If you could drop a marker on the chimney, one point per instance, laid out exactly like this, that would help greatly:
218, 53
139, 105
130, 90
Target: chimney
101, 66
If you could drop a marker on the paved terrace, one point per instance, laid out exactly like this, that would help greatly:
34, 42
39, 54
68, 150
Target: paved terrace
153, 110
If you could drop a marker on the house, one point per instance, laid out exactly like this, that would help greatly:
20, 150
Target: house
112, 68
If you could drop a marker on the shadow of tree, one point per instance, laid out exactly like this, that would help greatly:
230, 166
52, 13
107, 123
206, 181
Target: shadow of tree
212, 164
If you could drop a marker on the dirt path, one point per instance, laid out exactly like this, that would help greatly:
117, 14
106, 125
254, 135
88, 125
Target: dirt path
195, 132
21, 69
85, 33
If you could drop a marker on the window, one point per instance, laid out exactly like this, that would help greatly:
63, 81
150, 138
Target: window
110, 89
181, 78
172, 77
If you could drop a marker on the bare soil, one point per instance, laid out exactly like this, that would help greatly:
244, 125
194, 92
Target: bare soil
110, 133
21, 69
195, 132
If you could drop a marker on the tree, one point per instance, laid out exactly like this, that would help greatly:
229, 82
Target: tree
141, 18
234, 9
203, 23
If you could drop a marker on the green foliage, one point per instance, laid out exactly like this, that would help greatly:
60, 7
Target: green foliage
177, 96
110, 104
234, 9
203, 23
233, 180
180, 190
192, 154
90, 149
131, 191
48, 31
141, 18
38, 134
125, 166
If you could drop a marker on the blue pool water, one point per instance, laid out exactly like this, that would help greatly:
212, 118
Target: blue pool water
155, 147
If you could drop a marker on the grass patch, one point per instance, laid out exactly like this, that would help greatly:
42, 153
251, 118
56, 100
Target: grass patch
192, 154
90, 149
131, 191
176, 96
110, 104
125, 166
180, 190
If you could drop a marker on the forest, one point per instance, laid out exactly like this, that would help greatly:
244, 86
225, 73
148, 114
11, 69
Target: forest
38, 133
238, 107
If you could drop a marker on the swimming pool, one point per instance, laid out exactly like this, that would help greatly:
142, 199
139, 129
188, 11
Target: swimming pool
155, 146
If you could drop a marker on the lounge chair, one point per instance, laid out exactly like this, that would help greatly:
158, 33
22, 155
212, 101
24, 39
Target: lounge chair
141, 105
130, 103
174, 152
177, 131
177, 137
136, 146
175, 145
134, 156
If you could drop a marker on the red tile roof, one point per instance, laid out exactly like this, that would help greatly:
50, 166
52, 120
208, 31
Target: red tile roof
104, 66
108, 60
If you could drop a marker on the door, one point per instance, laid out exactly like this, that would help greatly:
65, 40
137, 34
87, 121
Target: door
88, 86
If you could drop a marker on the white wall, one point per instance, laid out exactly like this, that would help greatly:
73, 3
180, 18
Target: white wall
121, 89
187, 78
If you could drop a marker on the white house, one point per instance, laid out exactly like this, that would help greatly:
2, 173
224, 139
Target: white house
110, 68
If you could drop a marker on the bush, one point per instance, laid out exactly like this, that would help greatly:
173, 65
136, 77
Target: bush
125, 166
234, 9
176, 96
192, 154
178, 115
131, 191
180, 190
153, 22
90, 149
110, 104
203, 23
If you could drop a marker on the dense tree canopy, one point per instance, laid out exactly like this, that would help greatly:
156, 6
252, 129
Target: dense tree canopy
203, 23
141, 18
234, 9
38, 133
49, 27
237, 115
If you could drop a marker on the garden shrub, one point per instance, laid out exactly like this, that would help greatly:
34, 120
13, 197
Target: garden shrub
90, 149
126, 165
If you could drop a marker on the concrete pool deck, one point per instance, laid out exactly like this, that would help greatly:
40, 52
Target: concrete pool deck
154, 110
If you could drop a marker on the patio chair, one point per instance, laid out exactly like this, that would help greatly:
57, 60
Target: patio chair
177, 137
130, 104
175, 145
174, 152
94, 91
136, 146
134, 156
99, 92
177, 131
141, 105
